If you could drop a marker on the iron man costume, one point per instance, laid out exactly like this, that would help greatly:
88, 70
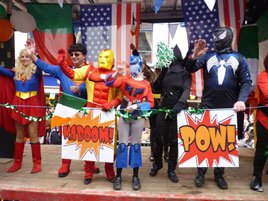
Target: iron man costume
98, 96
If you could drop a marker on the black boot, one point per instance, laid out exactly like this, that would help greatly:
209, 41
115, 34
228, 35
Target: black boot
155, 169
171, 171
173, 177
87, 181
221, 183
136, 183
117, 183
199, 180
200, 177
256, 184
218, 176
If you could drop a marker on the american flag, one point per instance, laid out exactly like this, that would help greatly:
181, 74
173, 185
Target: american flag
110, 26
201, 22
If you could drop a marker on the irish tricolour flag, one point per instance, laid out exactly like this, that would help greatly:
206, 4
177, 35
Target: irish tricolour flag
67, 107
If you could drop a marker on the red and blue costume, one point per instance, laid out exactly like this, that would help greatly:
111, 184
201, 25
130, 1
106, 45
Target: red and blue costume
138, 92
28, 92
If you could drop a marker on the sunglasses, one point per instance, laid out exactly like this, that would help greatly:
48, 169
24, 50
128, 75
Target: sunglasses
75, 54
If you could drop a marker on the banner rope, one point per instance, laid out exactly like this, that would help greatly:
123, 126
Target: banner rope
118, 112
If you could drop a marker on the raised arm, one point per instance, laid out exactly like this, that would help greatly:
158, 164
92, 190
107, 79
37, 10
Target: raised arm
63, 64
6, 72
196, 62
115, 79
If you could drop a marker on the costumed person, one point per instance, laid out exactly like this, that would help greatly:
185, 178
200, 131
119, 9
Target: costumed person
29, 86
151, 76
78, 54
227, 83
174, 84
261, 129
98, 96
137, 98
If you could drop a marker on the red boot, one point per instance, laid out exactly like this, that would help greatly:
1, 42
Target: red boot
89, 171
36, 155
65, 168
109, 169
18, 155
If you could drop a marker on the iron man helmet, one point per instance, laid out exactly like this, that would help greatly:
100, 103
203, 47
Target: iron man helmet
106, 59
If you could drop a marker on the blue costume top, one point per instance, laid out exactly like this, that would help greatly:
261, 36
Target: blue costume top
27, 85
65, 82
226, 78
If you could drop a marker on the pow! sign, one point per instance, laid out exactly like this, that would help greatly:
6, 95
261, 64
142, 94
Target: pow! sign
90, 137
208, 139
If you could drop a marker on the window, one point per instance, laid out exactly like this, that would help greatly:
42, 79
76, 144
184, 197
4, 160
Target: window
146, 41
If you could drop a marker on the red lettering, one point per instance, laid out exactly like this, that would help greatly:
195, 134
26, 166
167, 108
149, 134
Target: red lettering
87, 133
80, 132
104, 134
111, 135
95, 134
67, 132
73, 132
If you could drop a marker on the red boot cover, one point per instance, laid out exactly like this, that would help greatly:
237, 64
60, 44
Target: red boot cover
109, 169
36, 156
19, 148
65, 166
89, 169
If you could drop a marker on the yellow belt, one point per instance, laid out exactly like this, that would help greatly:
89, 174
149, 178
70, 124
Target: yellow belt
25, 95
157, 96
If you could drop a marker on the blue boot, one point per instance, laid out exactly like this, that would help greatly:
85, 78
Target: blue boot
121, 157
135, 156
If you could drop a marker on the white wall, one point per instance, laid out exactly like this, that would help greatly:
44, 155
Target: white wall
161, 33
19, 41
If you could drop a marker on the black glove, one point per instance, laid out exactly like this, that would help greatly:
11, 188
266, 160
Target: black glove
177, 108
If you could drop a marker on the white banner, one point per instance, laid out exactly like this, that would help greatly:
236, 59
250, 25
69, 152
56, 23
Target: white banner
90, 137
208, 139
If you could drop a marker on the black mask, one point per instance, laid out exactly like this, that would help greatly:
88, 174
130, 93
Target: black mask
177, 53
223, 38
177, 63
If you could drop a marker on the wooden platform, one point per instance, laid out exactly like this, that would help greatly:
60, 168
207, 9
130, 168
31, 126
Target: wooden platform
46, 185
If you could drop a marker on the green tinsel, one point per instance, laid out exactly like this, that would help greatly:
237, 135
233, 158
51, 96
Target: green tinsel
30, 118
196, 111
165, 55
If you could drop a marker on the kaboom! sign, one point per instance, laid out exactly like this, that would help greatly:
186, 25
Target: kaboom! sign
90, 137
208, 139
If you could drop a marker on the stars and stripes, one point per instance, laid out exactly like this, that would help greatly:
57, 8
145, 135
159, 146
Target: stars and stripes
201, 21
110, 26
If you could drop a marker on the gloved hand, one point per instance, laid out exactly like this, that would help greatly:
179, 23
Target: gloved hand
177, 108
64, 65
107, 106
61, 56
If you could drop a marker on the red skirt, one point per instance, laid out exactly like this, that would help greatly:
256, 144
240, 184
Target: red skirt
28, 111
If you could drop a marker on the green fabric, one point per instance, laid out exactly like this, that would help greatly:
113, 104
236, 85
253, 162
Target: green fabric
248, 44
262, 23
51, 18
3, 12
72, 101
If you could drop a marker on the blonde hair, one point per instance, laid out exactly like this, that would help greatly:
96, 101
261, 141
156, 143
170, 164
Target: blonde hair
21, 71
